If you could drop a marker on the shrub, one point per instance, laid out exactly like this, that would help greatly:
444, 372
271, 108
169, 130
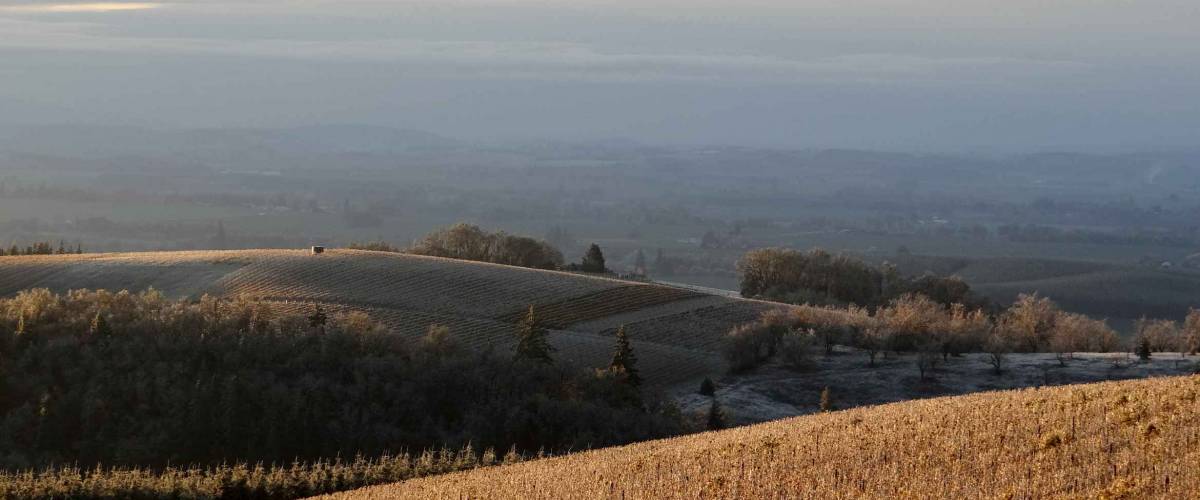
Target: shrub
744, 347
795, 348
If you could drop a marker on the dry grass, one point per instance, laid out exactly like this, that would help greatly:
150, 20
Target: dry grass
1134, 439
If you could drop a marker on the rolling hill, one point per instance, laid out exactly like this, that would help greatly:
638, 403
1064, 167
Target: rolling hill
1122, 293
1134, 439
675, 331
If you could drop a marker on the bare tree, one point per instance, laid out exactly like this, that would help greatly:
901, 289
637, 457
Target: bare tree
997, 349
875, 338
928, 356
1191, 332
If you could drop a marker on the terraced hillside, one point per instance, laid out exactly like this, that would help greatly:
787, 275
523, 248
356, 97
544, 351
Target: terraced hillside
1136, 439
675, 331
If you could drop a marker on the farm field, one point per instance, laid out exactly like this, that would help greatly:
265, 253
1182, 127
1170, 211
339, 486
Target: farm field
1121, 293
1130, 439
479, 302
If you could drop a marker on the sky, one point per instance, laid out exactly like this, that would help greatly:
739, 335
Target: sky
915, 75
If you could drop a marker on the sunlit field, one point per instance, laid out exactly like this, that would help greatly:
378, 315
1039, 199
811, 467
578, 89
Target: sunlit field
1138, 439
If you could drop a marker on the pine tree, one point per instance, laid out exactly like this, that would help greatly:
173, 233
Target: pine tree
593, 260
826, 400
624, 359
533, 340
1143, 349
100, 328
707, 387
716, 417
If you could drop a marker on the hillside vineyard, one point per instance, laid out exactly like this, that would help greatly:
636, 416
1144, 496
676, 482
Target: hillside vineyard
479, 302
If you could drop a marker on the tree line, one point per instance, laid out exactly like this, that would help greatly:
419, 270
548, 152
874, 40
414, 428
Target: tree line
470, 242
124, 379
916, 323
41, 248
874, 309
822, 278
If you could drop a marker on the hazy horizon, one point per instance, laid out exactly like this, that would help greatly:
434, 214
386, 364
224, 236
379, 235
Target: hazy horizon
929, 76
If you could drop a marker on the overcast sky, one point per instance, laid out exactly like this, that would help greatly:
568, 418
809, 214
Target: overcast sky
914, 75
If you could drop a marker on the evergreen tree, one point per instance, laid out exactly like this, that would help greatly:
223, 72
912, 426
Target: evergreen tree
1143, 348
533, 340
593, 260
707, 387
99, 327
624, 359
716, 417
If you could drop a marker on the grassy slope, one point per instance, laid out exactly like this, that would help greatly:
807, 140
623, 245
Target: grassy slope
1133, 439
478, 301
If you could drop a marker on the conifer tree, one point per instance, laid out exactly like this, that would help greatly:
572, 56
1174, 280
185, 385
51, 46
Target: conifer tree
99, 327
533, 340
593, 260
624, 359
1143, 349
716, 417
707, 387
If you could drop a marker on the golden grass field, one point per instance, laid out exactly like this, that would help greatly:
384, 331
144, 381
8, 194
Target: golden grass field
480, 302
1112, 440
